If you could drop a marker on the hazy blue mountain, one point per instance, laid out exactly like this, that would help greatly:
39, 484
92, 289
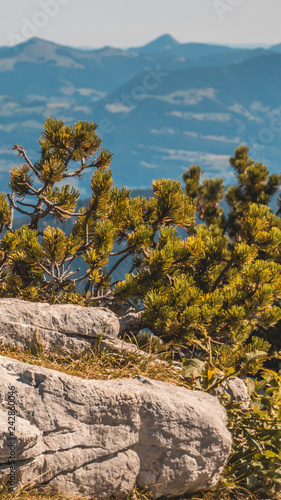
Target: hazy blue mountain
193, 50
160, 107
276, 48
168, 51
160, 44
228, 58
195, 115
99, 70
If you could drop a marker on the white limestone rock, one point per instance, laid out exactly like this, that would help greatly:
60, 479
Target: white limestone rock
100, 438
63, 327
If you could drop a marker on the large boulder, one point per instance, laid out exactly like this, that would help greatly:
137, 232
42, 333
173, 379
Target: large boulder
68, 328
100, 438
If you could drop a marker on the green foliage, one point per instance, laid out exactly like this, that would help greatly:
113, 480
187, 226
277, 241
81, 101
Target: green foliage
256, 455
20, 180
65, 143
255, 461
171, 206
207, 196
4, 212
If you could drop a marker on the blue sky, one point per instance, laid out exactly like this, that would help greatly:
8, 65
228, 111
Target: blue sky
124, 23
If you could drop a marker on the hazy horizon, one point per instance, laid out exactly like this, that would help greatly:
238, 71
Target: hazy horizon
133, 23
82, 47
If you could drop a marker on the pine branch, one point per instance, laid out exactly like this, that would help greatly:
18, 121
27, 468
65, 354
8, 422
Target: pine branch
222, 274
68, 274
23, 154
114, 254
44, 269
78, 171
26, 204
3, 261
70, 154
107, 295
33, 191
118, 263
56, 206
12, 204
11, 199
82, 278
86, 235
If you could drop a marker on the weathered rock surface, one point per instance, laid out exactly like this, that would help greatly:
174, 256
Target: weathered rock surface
235, 388
99, 438
130, 322
65, 327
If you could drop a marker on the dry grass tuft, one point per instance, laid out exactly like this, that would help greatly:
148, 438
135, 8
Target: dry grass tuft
221, 492
103, 365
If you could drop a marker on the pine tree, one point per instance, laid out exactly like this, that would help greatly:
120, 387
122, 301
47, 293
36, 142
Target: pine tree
254, 185
39, 264
217, 288
210, 291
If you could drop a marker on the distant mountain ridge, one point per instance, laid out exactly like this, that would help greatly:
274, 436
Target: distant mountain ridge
159, 107
164, 42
